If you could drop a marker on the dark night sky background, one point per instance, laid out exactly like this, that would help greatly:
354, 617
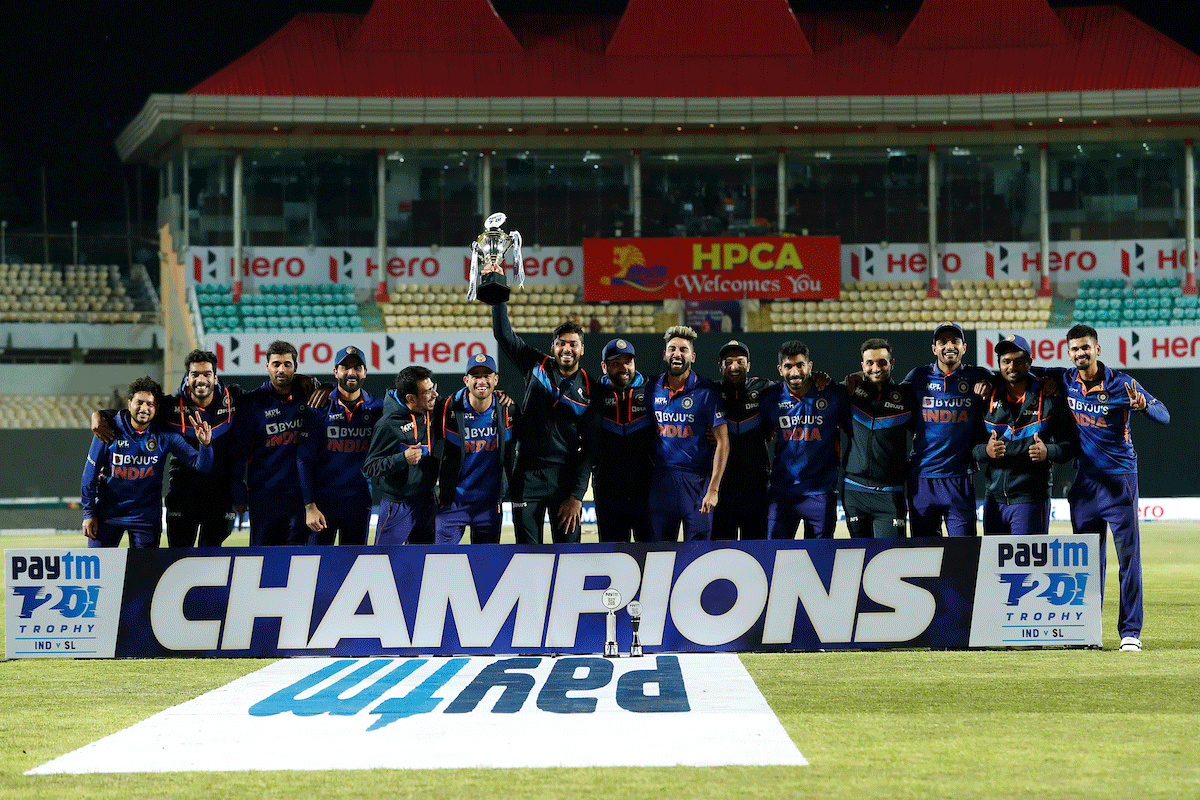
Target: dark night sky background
75, 75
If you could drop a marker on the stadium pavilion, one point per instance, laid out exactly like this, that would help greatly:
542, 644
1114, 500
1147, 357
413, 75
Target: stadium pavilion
401, 127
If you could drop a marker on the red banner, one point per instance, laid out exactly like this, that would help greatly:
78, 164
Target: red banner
769, 267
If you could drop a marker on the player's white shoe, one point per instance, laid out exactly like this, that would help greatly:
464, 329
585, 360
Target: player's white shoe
1131, 644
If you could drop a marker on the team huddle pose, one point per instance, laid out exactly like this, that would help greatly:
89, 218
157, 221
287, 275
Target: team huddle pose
746, 458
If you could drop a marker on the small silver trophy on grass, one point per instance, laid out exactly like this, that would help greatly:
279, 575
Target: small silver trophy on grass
487, 262
635, 621
612, 601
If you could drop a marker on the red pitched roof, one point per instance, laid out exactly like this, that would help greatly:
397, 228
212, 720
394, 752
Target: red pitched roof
858, 54
709, 28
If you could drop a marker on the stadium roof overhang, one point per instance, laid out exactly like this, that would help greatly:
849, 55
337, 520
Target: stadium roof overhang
168, 123
454, 74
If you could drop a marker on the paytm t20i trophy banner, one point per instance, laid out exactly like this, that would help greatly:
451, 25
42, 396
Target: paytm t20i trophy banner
497, 599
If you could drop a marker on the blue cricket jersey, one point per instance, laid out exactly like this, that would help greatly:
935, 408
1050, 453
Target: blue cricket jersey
949, 419
479, 476
1102, 417
122, 481
268, 434
807, 447
684, 418
333, 449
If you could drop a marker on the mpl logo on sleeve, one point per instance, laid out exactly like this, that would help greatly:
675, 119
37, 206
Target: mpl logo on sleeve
1033, 591
441, 713
63, 603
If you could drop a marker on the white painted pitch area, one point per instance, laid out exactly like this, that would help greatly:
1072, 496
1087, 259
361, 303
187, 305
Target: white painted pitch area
386, 721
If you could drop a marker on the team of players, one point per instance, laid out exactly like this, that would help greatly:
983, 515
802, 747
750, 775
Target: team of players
662, 453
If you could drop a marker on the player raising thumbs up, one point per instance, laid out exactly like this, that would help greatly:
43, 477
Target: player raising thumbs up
1039, 430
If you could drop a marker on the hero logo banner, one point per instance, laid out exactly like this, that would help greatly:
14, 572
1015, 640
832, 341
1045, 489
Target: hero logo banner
506, 599
307, 714
1037, 590
1133, 348
1069, 261
359, 266
440, 351
62, 603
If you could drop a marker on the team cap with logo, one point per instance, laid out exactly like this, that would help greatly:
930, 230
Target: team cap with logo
954, 326
351, 354
481, 360
731, 345
1011, 342
618, 347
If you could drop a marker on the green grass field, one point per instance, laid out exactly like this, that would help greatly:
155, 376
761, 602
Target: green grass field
911, 723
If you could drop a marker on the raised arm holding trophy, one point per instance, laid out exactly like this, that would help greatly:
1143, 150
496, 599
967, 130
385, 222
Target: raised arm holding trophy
487, 262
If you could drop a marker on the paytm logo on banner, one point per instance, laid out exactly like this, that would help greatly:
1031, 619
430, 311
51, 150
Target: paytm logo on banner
694, 709
571, 686
62, 604
1037, 590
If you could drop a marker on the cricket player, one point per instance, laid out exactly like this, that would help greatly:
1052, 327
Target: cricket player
553, 464
477, 457
265, 479
940, 489
688, 467
121, 488
401, 459
332, 452
1104, 494
1026, 431
875, 464
622, 438
806, 423
743, 506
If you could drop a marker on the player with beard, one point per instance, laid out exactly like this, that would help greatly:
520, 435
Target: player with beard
951, 417
875, 464
265, 479
686, 408
743, 506
622, 439
806, 422
1104, 495
331, 455
121, 488
552, 463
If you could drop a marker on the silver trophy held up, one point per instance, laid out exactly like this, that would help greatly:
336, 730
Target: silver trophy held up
487, 262
612, 601
635, 621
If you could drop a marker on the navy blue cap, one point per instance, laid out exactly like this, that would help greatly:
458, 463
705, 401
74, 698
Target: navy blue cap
734, 344
954, 326
348, 353
1012, 342
481, 360
617, 347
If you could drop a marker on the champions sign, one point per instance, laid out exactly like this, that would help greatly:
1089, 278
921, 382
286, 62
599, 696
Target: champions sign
496, 599
769, 267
